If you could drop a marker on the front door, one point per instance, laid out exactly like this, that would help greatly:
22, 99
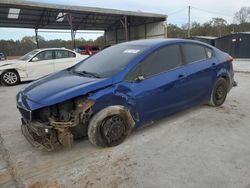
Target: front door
160, 85
40, 65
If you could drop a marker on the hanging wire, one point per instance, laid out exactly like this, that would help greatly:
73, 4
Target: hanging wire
177, 11
212, 12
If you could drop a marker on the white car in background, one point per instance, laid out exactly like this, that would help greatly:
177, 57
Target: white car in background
37, 63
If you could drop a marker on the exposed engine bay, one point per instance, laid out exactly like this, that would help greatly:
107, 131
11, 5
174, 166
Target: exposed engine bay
58, 124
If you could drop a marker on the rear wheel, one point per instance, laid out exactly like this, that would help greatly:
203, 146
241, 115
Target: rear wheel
10, 78
219, 93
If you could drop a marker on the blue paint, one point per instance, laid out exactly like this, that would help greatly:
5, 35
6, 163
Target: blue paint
147, 100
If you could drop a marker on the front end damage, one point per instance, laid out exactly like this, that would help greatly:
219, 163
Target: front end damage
56, 125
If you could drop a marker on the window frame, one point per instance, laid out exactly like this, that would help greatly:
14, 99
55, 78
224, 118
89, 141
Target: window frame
132, 78
204, 46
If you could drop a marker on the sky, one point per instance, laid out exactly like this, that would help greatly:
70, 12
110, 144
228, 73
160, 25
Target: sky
201, 11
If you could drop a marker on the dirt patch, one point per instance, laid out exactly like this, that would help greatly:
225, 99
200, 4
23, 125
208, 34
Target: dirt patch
45, 184
7, 174
107, 172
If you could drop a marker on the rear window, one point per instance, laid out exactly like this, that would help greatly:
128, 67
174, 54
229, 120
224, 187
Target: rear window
95, 48
81, 48
194, 52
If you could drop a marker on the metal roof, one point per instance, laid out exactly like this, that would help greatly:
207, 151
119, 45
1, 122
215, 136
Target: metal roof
205, 37
28, 14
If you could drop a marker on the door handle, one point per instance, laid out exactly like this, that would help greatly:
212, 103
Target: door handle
213, 66
181, 76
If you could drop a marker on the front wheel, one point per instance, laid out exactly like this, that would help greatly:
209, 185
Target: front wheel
10, 78
110, 132
219, 93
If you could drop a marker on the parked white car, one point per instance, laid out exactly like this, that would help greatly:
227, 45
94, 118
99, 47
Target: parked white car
37, 63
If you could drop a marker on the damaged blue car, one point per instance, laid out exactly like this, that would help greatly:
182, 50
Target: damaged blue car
121, 88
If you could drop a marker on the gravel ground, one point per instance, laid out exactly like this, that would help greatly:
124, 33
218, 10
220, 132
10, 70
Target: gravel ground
200, 147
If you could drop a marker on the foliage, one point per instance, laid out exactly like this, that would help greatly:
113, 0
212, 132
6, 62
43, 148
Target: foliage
243, 15
28, 43
216, 27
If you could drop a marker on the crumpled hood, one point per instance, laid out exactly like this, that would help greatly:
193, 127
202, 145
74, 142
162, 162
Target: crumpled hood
10, 62
61, 86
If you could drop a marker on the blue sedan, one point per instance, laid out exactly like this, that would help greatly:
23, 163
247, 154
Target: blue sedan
122, 88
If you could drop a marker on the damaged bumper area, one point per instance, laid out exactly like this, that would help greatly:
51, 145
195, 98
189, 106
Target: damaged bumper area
48, 129
40, 136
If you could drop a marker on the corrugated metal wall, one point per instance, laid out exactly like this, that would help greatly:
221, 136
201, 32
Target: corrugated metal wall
237, 45
145, 31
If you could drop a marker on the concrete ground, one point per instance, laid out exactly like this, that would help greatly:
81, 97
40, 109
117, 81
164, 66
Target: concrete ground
201, 147
242, 65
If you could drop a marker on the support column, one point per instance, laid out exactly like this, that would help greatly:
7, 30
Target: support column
116, 37
105, 37
70, 20
126, 27
37, 42
189, 22
74, 41
166, 29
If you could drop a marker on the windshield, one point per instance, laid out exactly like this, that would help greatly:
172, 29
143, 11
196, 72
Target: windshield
110, 61
28, 55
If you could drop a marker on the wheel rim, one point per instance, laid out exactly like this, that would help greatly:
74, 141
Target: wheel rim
114, 130
220, 93
10, 78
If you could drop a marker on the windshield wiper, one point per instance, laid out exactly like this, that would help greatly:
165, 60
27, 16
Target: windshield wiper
86, 73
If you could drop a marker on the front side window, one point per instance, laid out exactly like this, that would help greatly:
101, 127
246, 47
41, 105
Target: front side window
194, 52
45, 55
162, 60
28, 55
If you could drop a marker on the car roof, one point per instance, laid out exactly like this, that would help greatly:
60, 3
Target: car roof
42, 49
157, 42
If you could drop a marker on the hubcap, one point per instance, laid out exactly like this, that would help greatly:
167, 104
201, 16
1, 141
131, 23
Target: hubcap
220, 92
114, 130
10, 78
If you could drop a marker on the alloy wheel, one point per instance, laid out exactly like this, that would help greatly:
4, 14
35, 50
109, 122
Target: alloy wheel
10, 78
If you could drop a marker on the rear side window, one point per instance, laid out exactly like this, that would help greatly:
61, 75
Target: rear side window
194, 52
63, 54
162, 60
209, 52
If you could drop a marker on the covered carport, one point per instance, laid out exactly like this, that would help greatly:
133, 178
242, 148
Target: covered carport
118, 25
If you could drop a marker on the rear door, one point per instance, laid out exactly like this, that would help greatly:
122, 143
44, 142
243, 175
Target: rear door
40, 65
200, 72
64, 59
160, 87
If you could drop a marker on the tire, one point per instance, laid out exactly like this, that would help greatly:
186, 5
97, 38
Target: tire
10, 78
219, 92
108, 131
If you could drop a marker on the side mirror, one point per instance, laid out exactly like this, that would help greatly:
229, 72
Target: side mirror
139, 78
35, 59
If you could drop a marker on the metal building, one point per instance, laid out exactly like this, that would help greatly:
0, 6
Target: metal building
118, 25
237, 45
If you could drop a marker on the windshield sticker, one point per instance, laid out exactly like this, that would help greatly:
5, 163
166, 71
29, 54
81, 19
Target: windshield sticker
131, 51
